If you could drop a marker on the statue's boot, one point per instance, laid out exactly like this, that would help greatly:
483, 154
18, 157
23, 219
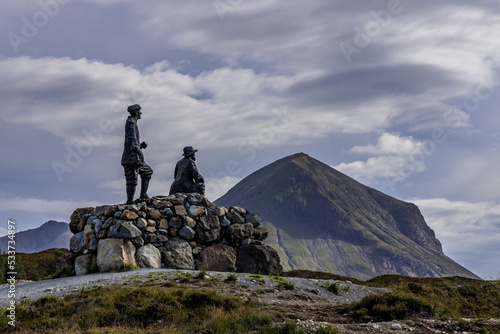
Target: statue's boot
144, 188
130, 194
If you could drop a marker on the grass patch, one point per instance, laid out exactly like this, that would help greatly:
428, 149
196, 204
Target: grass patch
118, 309
164, 309
213, 280
41, 265
231, 278
287, 285
332, 287
451, 297
151, 278
277, 279
201, 275
448, 297
327, 330
391, 306
256, 278
181, 277
128, 267
282, 283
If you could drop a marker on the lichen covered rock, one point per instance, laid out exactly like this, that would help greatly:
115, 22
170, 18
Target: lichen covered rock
114, 254
148, 256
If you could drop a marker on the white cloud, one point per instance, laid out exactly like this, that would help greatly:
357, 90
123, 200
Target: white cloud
42, 206
390, 144
216, 187
72, 99
116, 187
468, 231
384, 171
396, 159
456, 40
258, 31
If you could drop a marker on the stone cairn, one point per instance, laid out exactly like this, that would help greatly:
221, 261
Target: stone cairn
181, 231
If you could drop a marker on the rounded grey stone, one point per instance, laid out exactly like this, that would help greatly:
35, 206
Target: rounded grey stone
77, 242
195, 199
141, 223
175, 223
187, 233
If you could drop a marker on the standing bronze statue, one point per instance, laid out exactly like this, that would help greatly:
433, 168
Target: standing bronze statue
187, 179
133, 158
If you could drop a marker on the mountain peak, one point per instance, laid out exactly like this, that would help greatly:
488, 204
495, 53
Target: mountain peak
325, 220
296, 156
51, 234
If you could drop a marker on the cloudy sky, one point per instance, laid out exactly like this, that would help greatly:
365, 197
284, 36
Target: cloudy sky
400, 95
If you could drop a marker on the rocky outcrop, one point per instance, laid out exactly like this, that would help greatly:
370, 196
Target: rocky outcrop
177, 254
85, 264
77, 243
181, 231
65, 265
115, 254
258, 259
148, 256
218, 257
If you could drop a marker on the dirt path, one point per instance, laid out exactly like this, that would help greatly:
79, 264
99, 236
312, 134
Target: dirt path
249, 285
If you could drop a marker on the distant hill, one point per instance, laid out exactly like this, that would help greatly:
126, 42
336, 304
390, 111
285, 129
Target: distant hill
320, 219
52, 234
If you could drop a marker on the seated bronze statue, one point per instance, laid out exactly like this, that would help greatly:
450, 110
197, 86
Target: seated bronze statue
187, 179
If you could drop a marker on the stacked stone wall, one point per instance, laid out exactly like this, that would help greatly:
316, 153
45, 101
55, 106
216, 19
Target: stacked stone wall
181, 231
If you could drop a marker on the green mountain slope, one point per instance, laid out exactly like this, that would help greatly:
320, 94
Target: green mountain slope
320, 219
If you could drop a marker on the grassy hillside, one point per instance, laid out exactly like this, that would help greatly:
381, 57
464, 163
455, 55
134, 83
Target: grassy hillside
449, 297
41, 265
454, 297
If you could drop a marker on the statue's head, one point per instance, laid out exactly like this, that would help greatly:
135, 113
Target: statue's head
135, 110
189, 151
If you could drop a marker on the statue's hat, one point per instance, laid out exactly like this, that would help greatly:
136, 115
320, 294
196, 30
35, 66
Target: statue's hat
189, 151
